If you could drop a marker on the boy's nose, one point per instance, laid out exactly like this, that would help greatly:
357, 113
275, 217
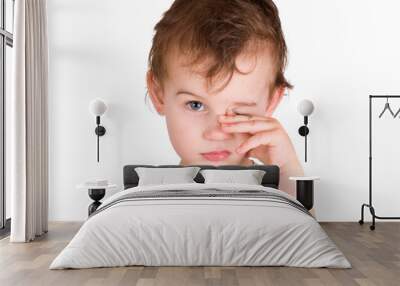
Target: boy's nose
215, 132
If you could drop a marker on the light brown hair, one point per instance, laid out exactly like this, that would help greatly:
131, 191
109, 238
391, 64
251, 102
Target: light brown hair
219, 30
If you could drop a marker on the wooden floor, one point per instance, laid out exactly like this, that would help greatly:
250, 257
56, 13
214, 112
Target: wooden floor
374, 255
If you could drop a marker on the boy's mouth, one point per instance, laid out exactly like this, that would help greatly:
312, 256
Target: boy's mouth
216, 155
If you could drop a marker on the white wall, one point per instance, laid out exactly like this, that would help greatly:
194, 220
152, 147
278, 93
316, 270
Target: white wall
340, 52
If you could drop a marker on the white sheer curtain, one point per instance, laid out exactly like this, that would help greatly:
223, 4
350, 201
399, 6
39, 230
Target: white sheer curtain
28, 157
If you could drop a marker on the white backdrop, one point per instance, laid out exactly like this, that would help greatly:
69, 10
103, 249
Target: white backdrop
339, 52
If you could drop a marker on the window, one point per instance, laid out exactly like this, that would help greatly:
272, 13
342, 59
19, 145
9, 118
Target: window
6, 44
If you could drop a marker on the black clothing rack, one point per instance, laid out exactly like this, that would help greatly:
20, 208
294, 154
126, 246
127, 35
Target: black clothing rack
369, 205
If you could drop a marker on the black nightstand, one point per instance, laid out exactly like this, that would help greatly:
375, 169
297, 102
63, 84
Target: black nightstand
305, 190
96, 193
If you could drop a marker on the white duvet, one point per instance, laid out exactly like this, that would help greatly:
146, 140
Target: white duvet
206, 231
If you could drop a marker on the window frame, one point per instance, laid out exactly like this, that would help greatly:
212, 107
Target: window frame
6, 39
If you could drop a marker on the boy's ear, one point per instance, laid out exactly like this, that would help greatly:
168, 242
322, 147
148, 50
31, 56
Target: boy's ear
276, 97
155, 92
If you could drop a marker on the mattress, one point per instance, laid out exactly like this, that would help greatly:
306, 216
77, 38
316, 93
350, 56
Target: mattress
201, 225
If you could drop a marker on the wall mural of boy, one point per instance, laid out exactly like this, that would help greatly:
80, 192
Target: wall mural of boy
216, 72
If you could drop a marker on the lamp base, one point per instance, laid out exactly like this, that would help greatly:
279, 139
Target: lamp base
303, 130
100, 130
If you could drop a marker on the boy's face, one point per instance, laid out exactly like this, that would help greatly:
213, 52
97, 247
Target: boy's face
192, 110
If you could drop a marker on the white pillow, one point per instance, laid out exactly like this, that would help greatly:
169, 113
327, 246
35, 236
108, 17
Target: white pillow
249, 177
162, 176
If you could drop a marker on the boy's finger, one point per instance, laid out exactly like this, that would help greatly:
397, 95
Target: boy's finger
262, 138
240, 118
252, 126
244, 109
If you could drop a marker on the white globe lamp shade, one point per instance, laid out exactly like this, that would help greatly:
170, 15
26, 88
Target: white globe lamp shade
305, 107
97, 107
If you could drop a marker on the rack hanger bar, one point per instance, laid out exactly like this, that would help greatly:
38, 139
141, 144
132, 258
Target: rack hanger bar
384, 96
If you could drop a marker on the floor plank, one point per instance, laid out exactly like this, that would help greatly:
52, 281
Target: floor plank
374, 255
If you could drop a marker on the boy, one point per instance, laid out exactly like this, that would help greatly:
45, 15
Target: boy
216, 72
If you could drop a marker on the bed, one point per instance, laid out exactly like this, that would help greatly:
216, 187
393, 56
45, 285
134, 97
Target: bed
201, 224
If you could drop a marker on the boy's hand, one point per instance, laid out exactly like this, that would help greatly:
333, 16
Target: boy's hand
269, 141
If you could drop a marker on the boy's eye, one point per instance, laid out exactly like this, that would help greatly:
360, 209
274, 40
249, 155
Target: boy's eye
195, 105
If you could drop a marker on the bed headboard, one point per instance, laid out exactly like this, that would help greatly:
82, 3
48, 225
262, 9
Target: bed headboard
270, 179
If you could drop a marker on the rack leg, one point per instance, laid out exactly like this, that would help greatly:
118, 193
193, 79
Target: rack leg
372, 210
361, 221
